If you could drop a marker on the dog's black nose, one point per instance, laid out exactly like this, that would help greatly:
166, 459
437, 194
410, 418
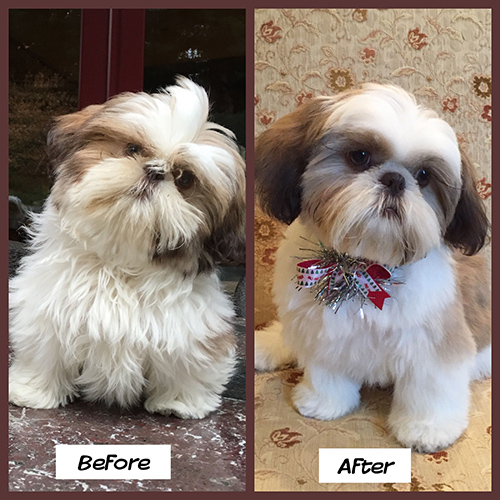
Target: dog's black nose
395, 183
154, 171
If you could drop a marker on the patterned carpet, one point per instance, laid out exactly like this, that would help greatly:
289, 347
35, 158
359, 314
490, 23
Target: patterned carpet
286, 444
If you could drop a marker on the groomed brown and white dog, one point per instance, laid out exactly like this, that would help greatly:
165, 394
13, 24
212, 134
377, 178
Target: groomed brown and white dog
119, 299
371, 175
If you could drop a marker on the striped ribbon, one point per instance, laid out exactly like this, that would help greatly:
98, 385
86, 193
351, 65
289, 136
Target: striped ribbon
310, 272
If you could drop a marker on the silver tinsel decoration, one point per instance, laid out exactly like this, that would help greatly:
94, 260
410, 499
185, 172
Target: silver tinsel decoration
334, 292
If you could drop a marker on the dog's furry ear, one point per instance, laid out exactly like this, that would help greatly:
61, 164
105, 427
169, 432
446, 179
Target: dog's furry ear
62, 136
281, 155
227, 243
468, 231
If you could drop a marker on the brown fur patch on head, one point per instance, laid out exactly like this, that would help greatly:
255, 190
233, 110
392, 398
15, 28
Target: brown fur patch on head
282, 153
468, 230
347, 141
61, 140
96, 126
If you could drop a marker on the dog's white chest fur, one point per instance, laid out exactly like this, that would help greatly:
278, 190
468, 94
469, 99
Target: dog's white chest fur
374, 345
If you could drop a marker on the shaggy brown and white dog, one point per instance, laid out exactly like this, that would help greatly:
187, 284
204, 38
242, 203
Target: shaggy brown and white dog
119, 298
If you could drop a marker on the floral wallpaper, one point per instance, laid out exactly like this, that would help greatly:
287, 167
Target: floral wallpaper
444, 58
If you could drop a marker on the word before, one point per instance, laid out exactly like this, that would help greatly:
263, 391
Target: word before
366, 467
86, 462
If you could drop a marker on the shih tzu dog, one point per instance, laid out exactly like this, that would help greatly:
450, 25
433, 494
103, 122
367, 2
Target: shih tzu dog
387, 220
119, 299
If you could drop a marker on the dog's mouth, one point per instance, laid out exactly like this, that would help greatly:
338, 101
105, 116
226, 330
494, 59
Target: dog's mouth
145, 188
390, 212
391, 209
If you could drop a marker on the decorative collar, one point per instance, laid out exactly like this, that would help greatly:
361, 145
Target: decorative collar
336, 277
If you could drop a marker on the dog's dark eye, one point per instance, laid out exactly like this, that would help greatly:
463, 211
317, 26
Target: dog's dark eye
359, 159
184, 180
423, 177
133, 149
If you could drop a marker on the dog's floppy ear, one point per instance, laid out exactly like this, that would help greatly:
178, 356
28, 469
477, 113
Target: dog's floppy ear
468, 231
226, 244
281, 155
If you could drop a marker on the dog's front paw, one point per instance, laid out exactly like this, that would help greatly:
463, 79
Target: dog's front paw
313, 404
183, 407
24, 394
428, 436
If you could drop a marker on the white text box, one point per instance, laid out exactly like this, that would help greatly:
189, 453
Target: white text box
364, 465
109, 461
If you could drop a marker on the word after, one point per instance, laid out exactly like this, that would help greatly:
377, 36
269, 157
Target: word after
364, 465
